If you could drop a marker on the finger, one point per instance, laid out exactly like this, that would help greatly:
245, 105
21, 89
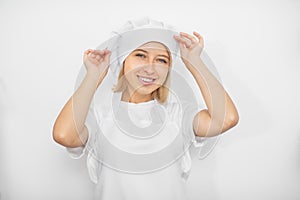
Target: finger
101, 59
200, 38
87, 52
99, 52
91, 54
107, 56
178, 39
190, 37
106, 51
181, 43
184, 41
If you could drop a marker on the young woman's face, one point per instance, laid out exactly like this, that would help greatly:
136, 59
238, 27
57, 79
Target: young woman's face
146, 68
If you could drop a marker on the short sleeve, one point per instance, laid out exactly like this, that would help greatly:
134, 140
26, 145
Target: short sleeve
184, 115
189, 111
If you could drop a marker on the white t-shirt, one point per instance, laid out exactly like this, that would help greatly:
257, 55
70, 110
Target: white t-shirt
162, 161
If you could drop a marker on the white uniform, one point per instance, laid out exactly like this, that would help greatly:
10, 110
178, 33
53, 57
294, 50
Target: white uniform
113, 179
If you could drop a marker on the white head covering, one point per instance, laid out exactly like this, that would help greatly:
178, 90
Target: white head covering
132, 35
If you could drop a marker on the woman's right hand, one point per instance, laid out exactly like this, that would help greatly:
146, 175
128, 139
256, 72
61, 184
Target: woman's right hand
97, 62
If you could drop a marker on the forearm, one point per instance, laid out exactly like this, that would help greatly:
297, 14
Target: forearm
81, 100
216, 98
70, 122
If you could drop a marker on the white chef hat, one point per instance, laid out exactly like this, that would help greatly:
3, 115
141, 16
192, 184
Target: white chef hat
134, 34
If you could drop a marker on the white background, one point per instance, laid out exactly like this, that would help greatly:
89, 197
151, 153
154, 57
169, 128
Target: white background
255, 46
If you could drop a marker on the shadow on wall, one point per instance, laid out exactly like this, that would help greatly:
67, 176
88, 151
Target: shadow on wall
4, 109
2, 142
298, 150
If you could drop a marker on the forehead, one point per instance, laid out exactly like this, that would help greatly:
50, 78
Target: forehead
154, 46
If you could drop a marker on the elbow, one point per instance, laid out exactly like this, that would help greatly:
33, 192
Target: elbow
61, 137
67, 137
231, 121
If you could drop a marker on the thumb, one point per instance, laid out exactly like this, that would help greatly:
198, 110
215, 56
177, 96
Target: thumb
86, 53
107, 56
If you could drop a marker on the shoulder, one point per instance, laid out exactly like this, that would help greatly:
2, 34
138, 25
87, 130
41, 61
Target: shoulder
181, 111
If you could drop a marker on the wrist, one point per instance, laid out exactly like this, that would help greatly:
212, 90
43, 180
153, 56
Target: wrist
192, 62
95, 77
92, 75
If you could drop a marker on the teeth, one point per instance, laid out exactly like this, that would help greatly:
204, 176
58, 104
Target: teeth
147, 80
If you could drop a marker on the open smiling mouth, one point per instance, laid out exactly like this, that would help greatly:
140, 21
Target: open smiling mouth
146, 80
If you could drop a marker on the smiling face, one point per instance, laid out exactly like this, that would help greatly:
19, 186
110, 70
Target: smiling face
146, 70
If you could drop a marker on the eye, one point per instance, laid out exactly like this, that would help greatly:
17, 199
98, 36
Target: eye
140, 55
162, 60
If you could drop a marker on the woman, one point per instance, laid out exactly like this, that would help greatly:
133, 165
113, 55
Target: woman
128, 156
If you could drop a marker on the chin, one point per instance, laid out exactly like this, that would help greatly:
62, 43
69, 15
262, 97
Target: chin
146, 91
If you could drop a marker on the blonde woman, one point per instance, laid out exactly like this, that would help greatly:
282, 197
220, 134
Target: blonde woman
138, 145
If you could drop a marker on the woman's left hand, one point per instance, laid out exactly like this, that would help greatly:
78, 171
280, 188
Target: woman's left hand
190, 46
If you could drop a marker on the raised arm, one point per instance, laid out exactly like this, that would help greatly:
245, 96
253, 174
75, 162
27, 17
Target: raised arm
221, 113
69, 129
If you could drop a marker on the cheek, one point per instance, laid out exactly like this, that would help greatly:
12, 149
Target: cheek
127, 67
131, 66
129, 72
163, 71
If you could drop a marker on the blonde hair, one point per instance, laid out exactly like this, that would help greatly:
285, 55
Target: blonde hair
160, 94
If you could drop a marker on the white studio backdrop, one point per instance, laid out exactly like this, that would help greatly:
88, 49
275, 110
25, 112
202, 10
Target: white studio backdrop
255, 46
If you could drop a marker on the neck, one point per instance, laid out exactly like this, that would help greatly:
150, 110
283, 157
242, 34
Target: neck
135, 97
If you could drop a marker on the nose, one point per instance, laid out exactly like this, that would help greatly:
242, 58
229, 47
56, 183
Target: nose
149, 67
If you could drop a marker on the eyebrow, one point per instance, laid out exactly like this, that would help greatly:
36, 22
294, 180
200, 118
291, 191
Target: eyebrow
148, 52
